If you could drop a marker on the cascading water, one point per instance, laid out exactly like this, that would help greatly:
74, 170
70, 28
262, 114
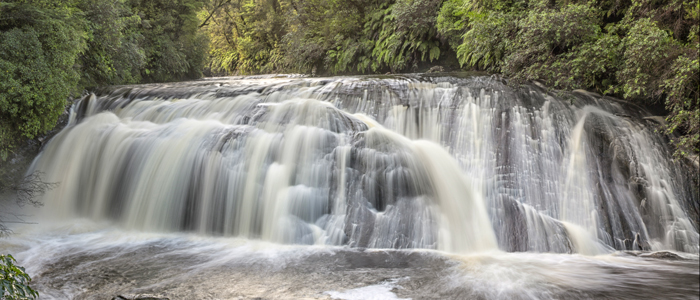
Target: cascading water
458, 164
357, 162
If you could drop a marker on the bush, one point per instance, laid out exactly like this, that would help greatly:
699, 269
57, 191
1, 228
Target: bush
646, 52
487, 42
14, 281
544, 38
681, 85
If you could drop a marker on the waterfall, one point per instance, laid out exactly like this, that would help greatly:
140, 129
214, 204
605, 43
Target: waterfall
460, 164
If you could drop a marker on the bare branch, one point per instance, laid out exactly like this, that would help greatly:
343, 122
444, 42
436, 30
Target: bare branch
30, 188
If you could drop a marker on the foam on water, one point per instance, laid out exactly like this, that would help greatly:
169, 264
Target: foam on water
83, 259
373, 292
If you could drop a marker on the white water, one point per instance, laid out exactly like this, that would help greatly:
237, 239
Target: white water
81, 259
357, 162
466, 166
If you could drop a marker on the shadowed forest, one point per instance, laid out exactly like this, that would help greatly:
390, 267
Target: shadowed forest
644, 51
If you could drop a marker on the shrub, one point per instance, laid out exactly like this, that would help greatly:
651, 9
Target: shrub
14, 281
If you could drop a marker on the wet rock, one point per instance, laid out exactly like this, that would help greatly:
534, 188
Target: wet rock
587, 93
359, 225
693, 159
663, 255
540, 85
659, 120
512, 234
436, 69
139, 297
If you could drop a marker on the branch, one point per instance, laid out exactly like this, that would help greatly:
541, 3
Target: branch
31, 187
28, 189
214, 11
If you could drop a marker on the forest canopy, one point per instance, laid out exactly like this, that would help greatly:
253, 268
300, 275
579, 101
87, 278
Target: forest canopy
640, 50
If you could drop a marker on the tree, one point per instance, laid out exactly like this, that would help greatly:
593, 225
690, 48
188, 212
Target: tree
38, 50
114, 53
173, 46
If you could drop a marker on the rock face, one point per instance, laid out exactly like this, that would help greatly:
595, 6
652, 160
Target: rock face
663, 255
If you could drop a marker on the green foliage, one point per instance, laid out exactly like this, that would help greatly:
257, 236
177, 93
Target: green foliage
350, 49
114, 54
545, 40
174, 48
451, 22
246, 36
131, 41
487, 40
395, 36
14, 281
646, 51
257, 36
51, 50
682, 87
221, 30
406, 34
38, 51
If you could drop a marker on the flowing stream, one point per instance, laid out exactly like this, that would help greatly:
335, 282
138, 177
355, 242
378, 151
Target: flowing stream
391, 187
